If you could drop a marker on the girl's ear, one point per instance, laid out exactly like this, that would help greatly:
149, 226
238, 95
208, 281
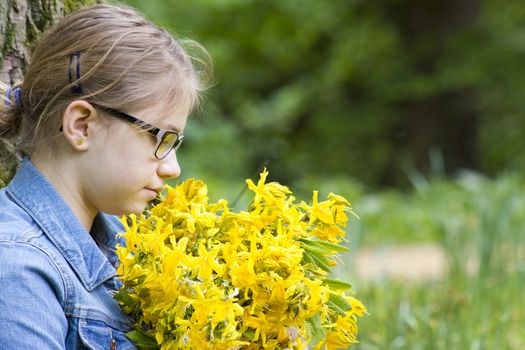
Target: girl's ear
77, 124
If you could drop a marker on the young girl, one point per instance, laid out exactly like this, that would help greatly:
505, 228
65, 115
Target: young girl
99, 118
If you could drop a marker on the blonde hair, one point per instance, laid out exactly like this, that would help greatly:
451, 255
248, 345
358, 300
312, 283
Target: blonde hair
125, 62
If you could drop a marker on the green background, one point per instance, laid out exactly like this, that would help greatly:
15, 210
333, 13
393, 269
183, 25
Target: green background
372, 90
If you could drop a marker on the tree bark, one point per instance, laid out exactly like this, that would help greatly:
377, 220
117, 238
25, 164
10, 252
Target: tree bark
21, 23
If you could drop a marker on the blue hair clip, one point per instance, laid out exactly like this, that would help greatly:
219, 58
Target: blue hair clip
8, 96
18, 98
77, 88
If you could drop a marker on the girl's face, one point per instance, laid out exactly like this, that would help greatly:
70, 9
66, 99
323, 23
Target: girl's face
122, 173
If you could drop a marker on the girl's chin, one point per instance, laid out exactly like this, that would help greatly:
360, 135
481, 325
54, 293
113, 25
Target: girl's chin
137, 209
133, 205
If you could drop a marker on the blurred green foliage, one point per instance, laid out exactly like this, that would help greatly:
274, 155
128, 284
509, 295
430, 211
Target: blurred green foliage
355, 88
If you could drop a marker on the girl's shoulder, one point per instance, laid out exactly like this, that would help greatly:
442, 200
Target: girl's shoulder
15, 223
25, 249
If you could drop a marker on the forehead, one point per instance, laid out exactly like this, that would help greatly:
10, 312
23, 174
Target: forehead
168, 101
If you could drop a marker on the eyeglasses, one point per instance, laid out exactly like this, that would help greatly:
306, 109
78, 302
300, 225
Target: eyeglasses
166, 139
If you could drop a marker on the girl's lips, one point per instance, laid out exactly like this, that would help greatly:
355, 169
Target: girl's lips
151, 192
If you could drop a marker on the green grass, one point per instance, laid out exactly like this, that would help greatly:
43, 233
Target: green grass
479, 304
486, 313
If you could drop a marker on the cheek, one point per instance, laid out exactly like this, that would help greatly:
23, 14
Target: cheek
129, 146
116, 170
122, 163
119, 191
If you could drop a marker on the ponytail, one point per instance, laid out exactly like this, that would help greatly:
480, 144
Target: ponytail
10, 110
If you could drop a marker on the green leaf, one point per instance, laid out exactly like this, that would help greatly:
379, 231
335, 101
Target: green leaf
123, 297
316, 328
329, 247
317, 260
338, 304
316, 250
249, 333
307, 259
336, 284
142, 339
332, 246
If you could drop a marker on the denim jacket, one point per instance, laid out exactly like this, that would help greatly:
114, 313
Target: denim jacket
57, 280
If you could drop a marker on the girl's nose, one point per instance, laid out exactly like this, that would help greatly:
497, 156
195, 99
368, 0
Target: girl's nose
169, 167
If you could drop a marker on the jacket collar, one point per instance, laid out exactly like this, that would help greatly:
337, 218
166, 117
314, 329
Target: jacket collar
35, 194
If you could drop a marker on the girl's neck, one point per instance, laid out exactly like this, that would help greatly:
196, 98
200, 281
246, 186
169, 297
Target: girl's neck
67, 185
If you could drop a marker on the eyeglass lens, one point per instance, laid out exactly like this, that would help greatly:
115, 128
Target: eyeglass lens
169, 141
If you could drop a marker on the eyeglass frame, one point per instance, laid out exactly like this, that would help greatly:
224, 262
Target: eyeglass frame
157, 132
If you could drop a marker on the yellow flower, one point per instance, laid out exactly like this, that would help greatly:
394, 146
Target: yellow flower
199, 276
321, 211
357, 307
208, 262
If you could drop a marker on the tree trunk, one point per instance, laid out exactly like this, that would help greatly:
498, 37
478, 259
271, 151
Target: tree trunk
21, 23
445, 120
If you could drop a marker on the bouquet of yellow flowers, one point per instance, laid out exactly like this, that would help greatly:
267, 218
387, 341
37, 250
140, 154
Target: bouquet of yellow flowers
197, 275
